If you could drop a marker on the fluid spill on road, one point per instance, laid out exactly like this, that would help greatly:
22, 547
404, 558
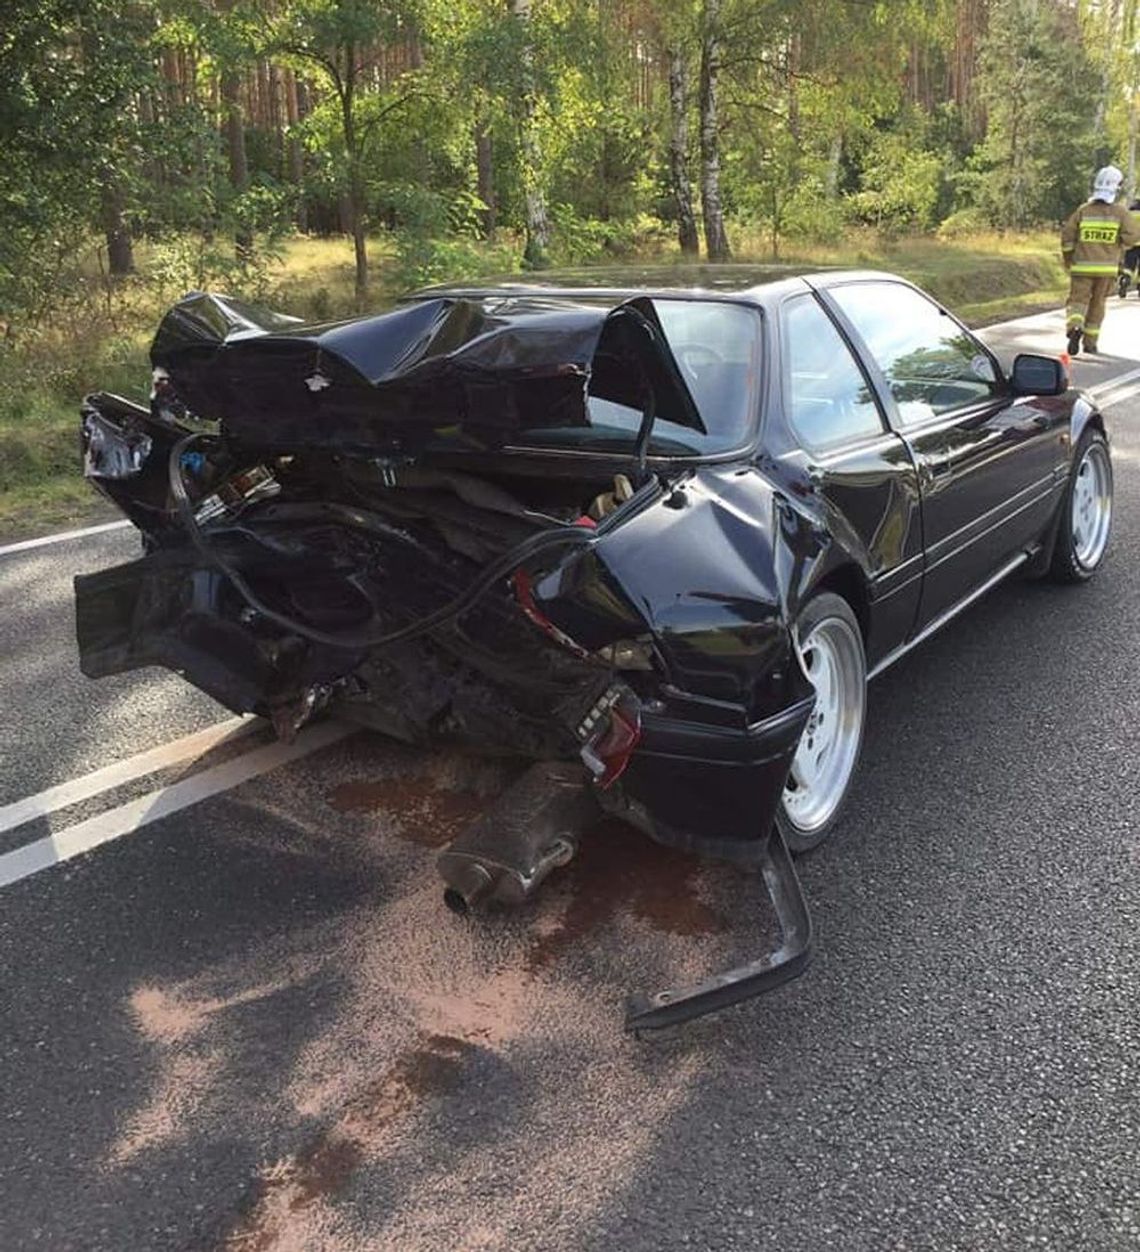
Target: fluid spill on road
421, 813
287, 1190
187, 1062
618, 868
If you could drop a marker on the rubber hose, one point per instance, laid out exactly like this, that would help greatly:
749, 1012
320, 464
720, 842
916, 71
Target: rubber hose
486, 579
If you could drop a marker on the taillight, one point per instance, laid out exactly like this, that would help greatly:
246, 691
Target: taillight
610, 733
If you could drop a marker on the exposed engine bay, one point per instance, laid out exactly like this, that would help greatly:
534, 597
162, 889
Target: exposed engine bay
391, 595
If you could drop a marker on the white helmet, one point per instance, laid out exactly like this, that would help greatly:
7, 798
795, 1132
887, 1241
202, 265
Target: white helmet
1107, 183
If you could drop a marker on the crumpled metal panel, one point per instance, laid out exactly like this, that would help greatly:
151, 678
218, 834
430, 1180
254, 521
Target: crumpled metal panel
715, 568
397, 381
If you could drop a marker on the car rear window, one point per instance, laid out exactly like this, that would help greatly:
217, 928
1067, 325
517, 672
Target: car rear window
716, 347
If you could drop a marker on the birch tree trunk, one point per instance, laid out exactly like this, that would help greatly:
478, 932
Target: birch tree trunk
679, 154
1130, 181
831, 176
294, 151
537, 223
355, 198
716, 241
1109, 37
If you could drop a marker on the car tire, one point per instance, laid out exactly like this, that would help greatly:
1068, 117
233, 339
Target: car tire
831, 652
1085, 519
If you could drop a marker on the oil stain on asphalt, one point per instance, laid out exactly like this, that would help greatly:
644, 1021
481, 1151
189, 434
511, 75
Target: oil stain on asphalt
616, 869
420, 813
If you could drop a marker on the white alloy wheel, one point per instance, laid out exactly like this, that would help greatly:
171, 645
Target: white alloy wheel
1090, 507
1085, 520
831, 651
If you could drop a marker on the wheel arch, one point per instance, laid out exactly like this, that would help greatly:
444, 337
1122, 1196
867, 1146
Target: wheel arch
848, 581
1085, 416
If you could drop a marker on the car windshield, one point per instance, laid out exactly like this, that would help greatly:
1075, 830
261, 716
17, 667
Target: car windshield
716, 349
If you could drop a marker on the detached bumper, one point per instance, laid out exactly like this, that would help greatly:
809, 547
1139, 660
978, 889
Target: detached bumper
766, 973
713, 790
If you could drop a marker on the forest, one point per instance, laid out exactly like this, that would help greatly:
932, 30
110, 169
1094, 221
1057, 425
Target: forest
571, 129
154, 146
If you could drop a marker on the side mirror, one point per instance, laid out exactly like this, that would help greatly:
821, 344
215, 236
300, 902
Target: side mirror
1035, 375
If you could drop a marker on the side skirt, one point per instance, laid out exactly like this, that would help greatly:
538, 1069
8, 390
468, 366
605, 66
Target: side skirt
952, 612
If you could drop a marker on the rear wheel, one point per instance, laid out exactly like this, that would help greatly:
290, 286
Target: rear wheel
831, 651
1086, 512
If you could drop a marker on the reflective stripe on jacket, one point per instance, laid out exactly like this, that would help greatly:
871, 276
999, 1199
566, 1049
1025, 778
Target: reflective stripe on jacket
1095, 235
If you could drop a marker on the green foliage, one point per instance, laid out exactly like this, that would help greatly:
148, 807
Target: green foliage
583, 240
437, 238
184, 261
901, 184
1041, 148
831, 116
963, 223
897, 115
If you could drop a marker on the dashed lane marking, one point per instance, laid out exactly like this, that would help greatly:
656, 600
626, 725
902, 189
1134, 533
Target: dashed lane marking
83, 836
119, 772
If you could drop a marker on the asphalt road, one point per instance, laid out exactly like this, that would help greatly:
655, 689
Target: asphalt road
251, 1025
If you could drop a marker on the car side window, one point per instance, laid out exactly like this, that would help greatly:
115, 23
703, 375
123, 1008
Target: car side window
829, 401
930, 363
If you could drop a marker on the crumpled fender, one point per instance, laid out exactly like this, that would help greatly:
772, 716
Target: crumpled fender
715, 568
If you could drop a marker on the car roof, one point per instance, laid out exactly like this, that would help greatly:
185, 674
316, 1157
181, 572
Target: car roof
751, 284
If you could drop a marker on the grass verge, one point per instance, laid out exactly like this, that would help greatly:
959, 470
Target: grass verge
101, 344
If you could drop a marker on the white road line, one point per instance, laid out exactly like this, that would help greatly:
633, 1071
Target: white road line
25, 545
1110, 384
1118, 397
82, 837
114, 775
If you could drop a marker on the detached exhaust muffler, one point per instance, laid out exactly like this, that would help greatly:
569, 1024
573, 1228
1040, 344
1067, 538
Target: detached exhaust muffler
532, 828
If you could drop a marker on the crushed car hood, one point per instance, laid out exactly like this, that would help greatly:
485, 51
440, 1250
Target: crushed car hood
434, 371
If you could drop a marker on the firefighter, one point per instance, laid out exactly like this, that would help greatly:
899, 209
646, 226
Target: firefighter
1091, 244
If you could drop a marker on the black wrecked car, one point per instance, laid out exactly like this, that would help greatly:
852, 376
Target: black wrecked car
651, 531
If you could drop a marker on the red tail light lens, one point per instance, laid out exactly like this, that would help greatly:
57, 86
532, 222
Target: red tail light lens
614, 734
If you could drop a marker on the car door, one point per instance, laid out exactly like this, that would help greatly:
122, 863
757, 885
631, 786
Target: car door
863, 471
986, 461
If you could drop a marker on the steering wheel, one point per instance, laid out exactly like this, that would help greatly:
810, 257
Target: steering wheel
695, 357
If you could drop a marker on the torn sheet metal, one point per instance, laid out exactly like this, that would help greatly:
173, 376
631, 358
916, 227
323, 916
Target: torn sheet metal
432, 371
